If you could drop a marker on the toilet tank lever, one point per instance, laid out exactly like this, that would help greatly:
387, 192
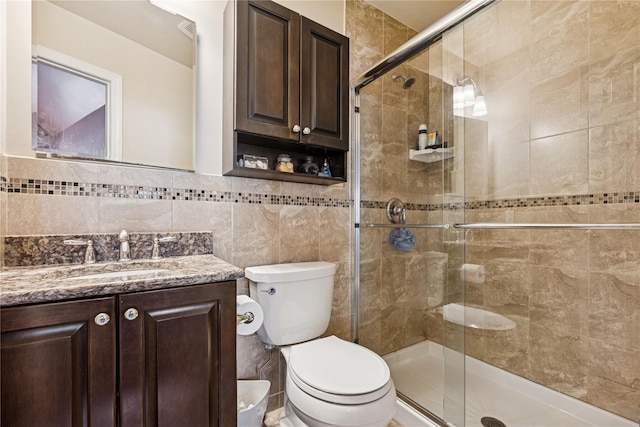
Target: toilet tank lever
270, 291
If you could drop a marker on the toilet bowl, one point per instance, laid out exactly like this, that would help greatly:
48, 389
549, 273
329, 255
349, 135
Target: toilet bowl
329, 382
332, 382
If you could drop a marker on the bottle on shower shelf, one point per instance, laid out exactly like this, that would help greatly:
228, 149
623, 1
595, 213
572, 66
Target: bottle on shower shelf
422, 137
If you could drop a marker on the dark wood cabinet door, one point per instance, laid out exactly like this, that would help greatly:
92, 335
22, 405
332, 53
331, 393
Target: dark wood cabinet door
324, 93
268, 76
58, 365
178, 358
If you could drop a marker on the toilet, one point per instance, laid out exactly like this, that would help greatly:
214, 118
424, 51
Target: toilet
329, 381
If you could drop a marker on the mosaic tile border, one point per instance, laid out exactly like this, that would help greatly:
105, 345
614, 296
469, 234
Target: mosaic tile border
71, 188
524, 202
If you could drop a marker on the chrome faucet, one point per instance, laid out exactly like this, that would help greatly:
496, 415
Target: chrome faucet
89, 253
125, 249
156, 252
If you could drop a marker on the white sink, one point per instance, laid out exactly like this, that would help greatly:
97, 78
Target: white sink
121, 273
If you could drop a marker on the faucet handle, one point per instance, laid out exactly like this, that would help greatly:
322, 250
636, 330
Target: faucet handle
156, 251
89, 253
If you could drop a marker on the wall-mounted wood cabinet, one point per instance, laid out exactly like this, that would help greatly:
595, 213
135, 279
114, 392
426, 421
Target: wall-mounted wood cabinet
286, 90
157, 358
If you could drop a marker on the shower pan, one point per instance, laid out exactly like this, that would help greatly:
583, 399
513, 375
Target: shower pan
525, 273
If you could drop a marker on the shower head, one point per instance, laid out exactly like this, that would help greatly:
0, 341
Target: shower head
407, 82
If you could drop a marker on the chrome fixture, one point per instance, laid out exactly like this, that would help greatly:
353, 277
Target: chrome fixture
156, 251
443, 226
466, 93
407, 82
125, 249
89, 253
538, 226
420, 42
244, 318
396, 211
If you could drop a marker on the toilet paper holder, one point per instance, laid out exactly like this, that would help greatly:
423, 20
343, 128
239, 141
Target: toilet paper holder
244, 318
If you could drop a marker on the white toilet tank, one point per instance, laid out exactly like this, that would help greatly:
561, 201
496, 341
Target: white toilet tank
296, 299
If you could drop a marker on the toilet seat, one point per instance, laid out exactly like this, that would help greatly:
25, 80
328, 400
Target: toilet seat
338, 371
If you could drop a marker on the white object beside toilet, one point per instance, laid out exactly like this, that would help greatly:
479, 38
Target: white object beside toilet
253, 396
329, 381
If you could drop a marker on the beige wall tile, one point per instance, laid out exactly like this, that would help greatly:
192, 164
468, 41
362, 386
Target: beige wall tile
560, 104
124, 175
614, 156
614, 302
256, 238
608, 365
507, 288
509, 349
508, 169
613, 88
613, 396
613, 20
564, 365
614, 251
395, 34
299, 234
334, 234
20, 167
147, 215
561, 36
29, 214
560, 248
559, 299
364, 24
206, 216
560, 165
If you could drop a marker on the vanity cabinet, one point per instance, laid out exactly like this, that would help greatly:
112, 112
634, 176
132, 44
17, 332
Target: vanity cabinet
287, 89
58, 364
164, 358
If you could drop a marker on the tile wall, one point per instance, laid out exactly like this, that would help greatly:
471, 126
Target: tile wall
253, 222
561, 143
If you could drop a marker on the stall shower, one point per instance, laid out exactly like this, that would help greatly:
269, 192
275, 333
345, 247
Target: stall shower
519, 304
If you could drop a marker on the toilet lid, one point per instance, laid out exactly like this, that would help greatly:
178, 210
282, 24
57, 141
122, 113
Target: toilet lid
338, 367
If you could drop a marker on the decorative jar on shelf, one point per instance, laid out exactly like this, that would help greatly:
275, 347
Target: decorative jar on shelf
284, 164
309, 167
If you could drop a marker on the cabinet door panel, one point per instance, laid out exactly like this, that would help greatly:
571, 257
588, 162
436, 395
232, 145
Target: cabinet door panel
325, 86
171, 356
268, 72
58, 366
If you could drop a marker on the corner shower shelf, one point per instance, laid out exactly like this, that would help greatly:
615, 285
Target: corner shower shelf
430, 155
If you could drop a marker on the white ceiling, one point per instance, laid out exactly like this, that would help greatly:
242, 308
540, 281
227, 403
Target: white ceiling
416, 14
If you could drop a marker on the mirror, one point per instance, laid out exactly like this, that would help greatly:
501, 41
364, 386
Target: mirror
138, 57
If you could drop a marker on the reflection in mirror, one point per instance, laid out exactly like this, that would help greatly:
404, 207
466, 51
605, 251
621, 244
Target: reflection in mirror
139, 57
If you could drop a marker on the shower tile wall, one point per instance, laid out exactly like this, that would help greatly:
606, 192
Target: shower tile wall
254, 222
392, 307
561, 143
563, 92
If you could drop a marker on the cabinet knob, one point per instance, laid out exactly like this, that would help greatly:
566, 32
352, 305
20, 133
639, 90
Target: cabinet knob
131, 314
296, 128
306, 131
101, 319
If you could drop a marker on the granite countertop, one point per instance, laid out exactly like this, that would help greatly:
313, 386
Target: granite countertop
28, 285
